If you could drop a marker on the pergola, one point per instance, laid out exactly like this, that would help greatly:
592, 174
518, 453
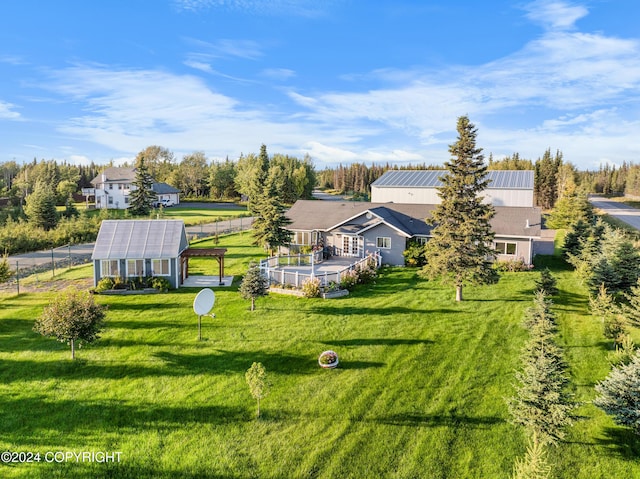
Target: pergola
217, 253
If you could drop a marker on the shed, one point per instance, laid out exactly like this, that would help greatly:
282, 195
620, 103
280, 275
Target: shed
139, 248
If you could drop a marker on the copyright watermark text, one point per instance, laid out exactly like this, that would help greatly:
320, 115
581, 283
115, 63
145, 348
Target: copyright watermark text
60, 456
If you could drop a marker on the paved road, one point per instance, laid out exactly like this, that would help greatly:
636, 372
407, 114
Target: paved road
321, 195
81, 253
623, 212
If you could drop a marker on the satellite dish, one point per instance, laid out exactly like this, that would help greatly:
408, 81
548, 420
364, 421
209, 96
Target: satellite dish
204, 302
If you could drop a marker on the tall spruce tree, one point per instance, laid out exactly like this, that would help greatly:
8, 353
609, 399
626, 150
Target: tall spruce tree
270, 221
258, 182
460, 249
542, 404
142, 197
546, 179
41, 206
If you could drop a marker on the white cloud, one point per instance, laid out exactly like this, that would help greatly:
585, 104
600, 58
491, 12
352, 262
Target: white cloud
555, 14
7, 111
225, 48
280, 74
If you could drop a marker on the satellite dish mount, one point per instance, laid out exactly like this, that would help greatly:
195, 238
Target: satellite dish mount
202, 305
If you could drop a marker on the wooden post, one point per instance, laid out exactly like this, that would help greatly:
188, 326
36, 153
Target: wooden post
18, 277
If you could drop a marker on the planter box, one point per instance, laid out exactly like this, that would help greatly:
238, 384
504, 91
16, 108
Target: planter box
335, 294
124, 292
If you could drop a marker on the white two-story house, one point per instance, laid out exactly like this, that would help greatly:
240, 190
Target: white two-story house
113, 187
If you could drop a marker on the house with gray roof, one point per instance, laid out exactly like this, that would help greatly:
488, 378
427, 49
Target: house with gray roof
112, 188
139, 248
164, 191
355, 229
506, 187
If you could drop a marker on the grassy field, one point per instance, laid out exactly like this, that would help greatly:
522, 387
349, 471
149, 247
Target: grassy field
419, 393
191, 216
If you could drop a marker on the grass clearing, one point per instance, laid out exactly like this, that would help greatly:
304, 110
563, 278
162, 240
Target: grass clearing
191, 216
419, 392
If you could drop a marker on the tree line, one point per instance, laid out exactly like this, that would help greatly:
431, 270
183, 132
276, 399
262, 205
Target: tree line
199, 178
194, 175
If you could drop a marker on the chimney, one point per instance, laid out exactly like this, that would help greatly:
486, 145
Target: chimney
527, 225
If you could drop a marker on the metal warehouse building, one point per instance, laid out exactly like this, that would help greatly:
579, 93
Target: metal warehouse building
506, 187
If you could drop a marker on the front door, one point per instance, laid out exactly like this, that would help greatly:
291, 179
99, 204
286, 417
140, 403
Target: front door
350, 245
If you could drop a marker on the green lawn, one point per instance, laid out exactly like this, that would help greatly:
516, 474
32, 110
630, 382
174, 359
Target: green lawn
419, 392
191, 216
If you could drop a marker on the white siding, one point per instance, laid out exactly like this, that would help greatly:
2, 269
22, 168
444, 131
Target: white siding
429, 196
419, 196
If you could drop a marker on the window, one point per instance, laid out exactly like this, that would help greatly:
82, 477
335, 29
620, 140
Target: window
506, 248
160, 267
421, 239
301, 237
135, 267
110, 186
383, 242
110, 200
110, 267
126, 200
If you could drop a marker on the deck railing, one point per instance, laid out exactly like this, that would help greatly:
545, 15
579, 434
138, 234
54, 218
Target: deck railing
273, 269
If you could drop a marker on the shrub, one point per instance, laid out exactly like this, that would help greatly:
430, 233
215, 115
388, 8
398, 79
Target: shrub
311, 287
104, 284
511, 265
161, 284
619, 394
415, 254
256, 377
368, 273
349, 280
72, 317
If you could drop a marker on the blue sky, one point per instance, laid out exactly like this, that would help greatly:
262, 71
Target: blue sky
340, 80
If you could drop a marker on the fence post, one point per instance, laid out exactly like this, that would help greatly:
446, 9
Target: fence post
18, 277
297, 275
53, 265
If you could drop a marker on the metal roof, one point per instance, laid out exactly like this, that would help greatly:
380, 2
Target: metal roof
140, 239
499, 179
